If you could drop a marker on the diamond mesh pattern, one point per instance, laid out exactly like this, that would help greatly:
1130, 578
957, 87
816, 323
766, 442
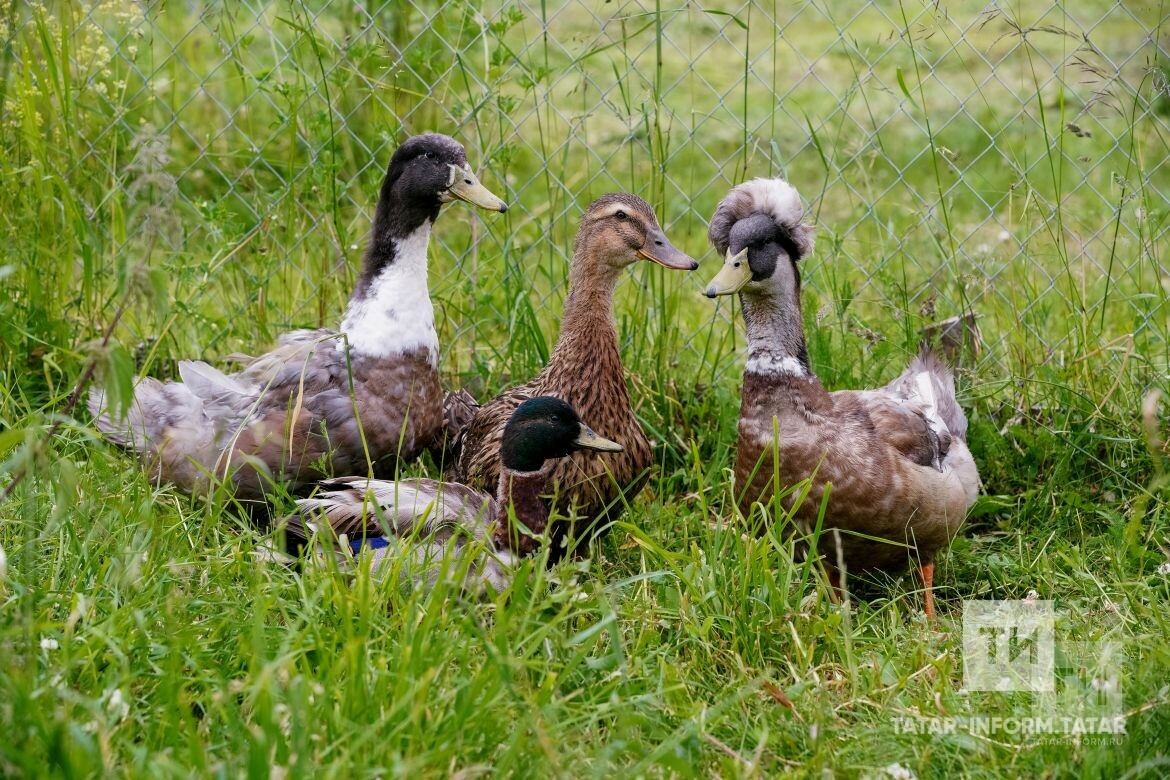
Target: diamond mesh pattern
941, 149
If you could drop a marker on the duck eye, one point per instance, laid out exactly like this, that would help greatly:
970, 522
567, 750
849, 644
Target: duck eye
429, 155
621, 215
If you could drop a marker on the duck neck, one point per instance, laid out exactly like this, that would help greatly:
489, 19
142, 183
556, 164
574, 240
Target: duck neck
588, 338
519, 492
775, 328
390, 312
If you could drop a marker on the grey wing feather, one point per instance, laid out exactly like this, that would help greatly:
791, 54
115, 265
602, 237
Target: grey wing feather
312, 358
375, 507
428, 526
157, 406
215, 388
917, 413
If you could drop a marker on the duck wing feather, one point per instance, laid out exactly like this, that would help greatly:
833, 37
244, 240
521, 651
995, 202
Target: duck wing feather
907, 426
432, 530
360, 507
285, 413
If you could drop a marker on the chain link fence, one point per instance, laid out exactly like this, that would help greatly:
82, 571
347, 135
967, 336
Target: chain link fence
1005, 159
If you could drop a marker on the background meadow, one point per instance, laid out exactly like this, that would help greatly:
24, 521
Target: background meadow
192, 179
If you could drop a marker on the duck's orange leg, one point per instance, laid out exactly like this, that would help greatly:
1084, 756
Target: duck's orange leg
928, 593
835, 582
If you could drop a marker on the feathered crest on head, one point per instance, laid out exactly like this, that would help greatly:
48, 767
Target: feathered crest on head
774, 197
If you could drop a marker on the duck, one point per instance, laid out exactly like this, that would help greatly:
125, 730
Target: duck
432, 526
892, 461
585, 369
359, 399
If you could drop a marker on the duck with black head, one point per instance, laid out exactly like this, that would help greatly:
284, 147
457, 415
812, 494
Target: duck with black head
426, 527
358, 400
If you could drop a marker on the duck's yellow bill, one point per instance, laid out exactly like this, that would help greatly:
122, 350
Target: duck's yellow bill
732, 277
589, 439
466, 187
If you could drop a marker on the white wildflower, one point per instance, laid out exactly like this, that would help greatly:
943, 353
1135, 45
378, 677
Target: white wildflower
49, 643
1106, 685
116, 705
1163, 569
899, 772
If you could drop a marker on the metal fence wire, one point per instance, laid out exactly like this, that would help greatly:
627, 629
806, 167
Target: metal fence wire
1006, 159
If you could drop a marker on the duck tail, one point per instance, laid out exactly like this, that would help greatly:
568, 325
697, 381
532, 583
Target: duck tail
132, 430
152, 416
930, 380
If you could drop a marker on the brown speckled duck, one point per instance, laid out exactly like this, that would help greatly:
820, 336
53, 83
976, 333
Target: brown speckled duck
585, 369
894, 460
353, 401
429, 525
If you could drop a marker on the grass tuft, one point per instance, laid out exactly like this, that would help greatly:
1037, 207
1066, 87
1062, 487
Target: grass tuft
193, 183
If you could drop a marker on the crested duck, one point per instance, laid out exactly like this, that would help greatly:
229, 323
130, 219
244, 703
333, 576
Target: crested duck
894, 460
584, 369
430, 523
357, 400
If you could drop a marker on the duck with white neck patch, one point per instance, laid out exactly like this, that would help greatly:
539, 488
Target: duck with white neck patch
893, 461
358, 400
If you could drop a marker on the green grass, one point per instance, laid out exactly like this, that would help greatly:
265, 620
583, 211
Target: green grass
144, 636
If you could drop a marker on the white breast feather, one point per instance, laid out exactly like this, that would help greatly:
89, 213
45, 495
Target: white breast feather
769, 364
396, 314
